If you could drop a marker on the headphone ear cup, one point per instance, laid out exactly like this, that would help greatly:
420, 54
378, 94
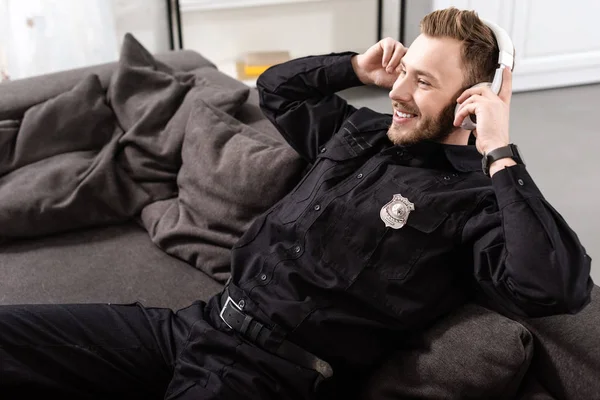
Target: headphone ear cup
470, 121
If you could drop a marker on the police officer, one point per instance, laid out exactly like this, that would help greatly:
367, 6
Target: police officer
395, 225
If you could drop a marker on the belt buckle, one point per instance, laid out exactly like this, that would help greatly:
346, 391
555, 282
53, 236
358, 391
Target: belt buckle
228, 302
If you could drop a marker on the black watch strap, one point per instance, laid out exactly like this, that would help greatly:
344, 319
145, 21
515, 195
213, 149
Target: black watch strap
510, 151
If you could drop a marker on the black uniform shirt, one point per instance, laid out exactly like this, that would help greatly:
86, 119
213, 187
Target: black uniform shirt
322, 266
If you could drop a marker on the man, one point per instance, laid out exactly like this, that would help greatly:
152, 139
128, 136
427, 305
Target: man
394, 226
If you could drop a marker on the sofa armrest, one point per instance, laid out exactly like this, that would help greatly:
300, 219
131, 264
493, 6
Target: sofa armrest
566, 357
473, 353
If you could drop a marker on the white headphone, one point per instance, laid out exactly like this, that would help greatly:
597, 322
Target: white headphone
505, 60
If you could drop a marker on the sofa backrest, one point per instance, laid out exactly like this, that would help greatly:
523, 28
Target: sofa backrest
19, 95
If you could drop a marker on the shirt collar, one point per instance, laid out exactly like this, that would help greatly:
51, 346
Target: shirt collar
463, 158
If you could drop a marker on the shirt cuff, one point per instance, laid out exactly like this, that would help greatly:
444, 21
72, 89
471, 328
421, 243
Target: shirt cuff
513, 184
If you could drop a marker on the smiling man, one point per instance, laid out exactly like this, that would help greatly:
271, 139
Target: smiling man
426, 111
405, 216
394, 226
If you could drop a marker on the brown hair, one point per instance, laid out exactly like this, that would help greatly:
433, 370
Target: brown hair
479, 49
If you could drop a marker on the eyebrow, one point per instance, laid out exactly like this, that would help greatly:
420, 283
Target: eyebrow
421, 72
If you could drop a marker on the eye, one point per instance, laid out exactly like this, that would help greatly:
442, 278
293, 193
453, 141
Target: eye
402, 71
422, 82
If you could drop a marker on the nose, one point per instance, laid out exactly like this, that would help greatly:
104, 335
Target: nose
401, 90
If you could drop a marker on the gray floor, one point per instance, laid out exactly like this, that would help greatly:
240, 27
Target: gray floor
558, 134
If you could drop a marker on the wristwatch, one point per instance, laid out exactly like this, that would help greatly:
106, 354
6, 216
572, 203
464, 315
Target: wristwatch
510, 151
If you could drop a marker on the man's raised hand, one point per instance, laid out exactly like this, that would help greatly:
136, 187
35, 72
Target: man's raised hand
380, 64
492, 113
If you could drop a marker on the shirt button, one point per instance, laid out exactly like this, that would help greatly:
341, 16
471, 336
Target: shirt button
317, 207
323, 149
297, 249
263, 277
242, 303
359, 176
446, 178
521, 182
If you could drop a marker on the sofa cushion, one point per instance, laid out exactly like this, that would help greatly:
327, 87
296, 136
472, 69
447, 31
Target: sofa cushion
230, 174
474, 353
116, 264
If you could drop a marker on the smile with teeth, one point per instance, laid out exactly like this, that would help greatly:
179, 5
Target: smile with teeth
405, 115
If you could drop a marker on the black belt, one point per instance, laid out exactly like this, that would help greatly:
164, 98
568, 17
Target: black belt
232, 315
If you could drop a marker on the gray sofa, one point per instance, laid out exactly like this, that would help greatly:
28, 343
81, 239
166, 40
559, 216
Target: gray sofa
473, 353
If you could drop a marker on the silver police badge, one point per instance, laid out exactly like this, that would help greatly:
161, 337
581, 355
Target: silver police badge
395, 213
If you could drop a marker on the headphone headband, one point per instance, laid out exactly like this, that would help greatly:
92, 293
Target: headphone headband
507, 50
505, 60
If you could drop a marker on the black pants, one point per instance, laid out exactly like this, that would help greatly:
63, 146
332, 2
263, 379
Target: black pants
103, 351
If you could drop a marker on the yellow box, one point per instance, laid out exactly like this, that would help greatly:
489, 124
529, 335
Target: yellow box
252, 64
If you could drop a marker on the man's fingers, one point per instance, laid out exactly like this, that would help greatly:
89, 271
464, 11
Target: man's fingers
505, 91
388, 50
388, 46
463, 112
465, 95
470, 100
482, 90
394, 62
469, 92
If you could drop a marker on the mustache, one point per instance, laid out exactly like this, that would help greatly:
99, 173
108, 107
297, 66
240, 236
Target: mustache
408, 108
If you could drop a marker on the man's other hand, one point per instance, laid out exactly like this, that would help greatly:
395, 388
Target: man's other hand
380, 64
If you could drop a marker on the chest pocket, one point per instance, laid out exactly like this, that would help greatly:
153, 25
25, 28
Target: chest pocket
360, 239
329, 170
348, 149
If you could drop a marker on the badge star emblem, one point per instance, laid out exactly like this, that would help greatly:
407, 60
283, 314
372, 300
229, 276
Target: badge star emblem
395, 213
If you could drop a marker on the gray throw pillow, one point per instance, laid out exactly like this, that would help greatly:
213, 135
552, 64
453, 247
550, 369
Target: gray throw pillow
220, 89
58, 173
473, 353
152, 104
531, 389
77, 120
230, 174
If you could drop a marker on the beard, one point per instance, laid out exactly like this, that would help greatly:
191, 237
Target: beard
428, 128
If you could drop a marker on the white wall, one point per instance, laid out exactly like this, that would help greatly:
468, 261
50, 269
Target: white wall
144, 19
43, 36
302, 29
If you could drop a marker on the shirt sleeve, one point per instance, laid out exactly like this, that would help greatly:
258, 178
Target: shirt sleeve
299, 98
527, 260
